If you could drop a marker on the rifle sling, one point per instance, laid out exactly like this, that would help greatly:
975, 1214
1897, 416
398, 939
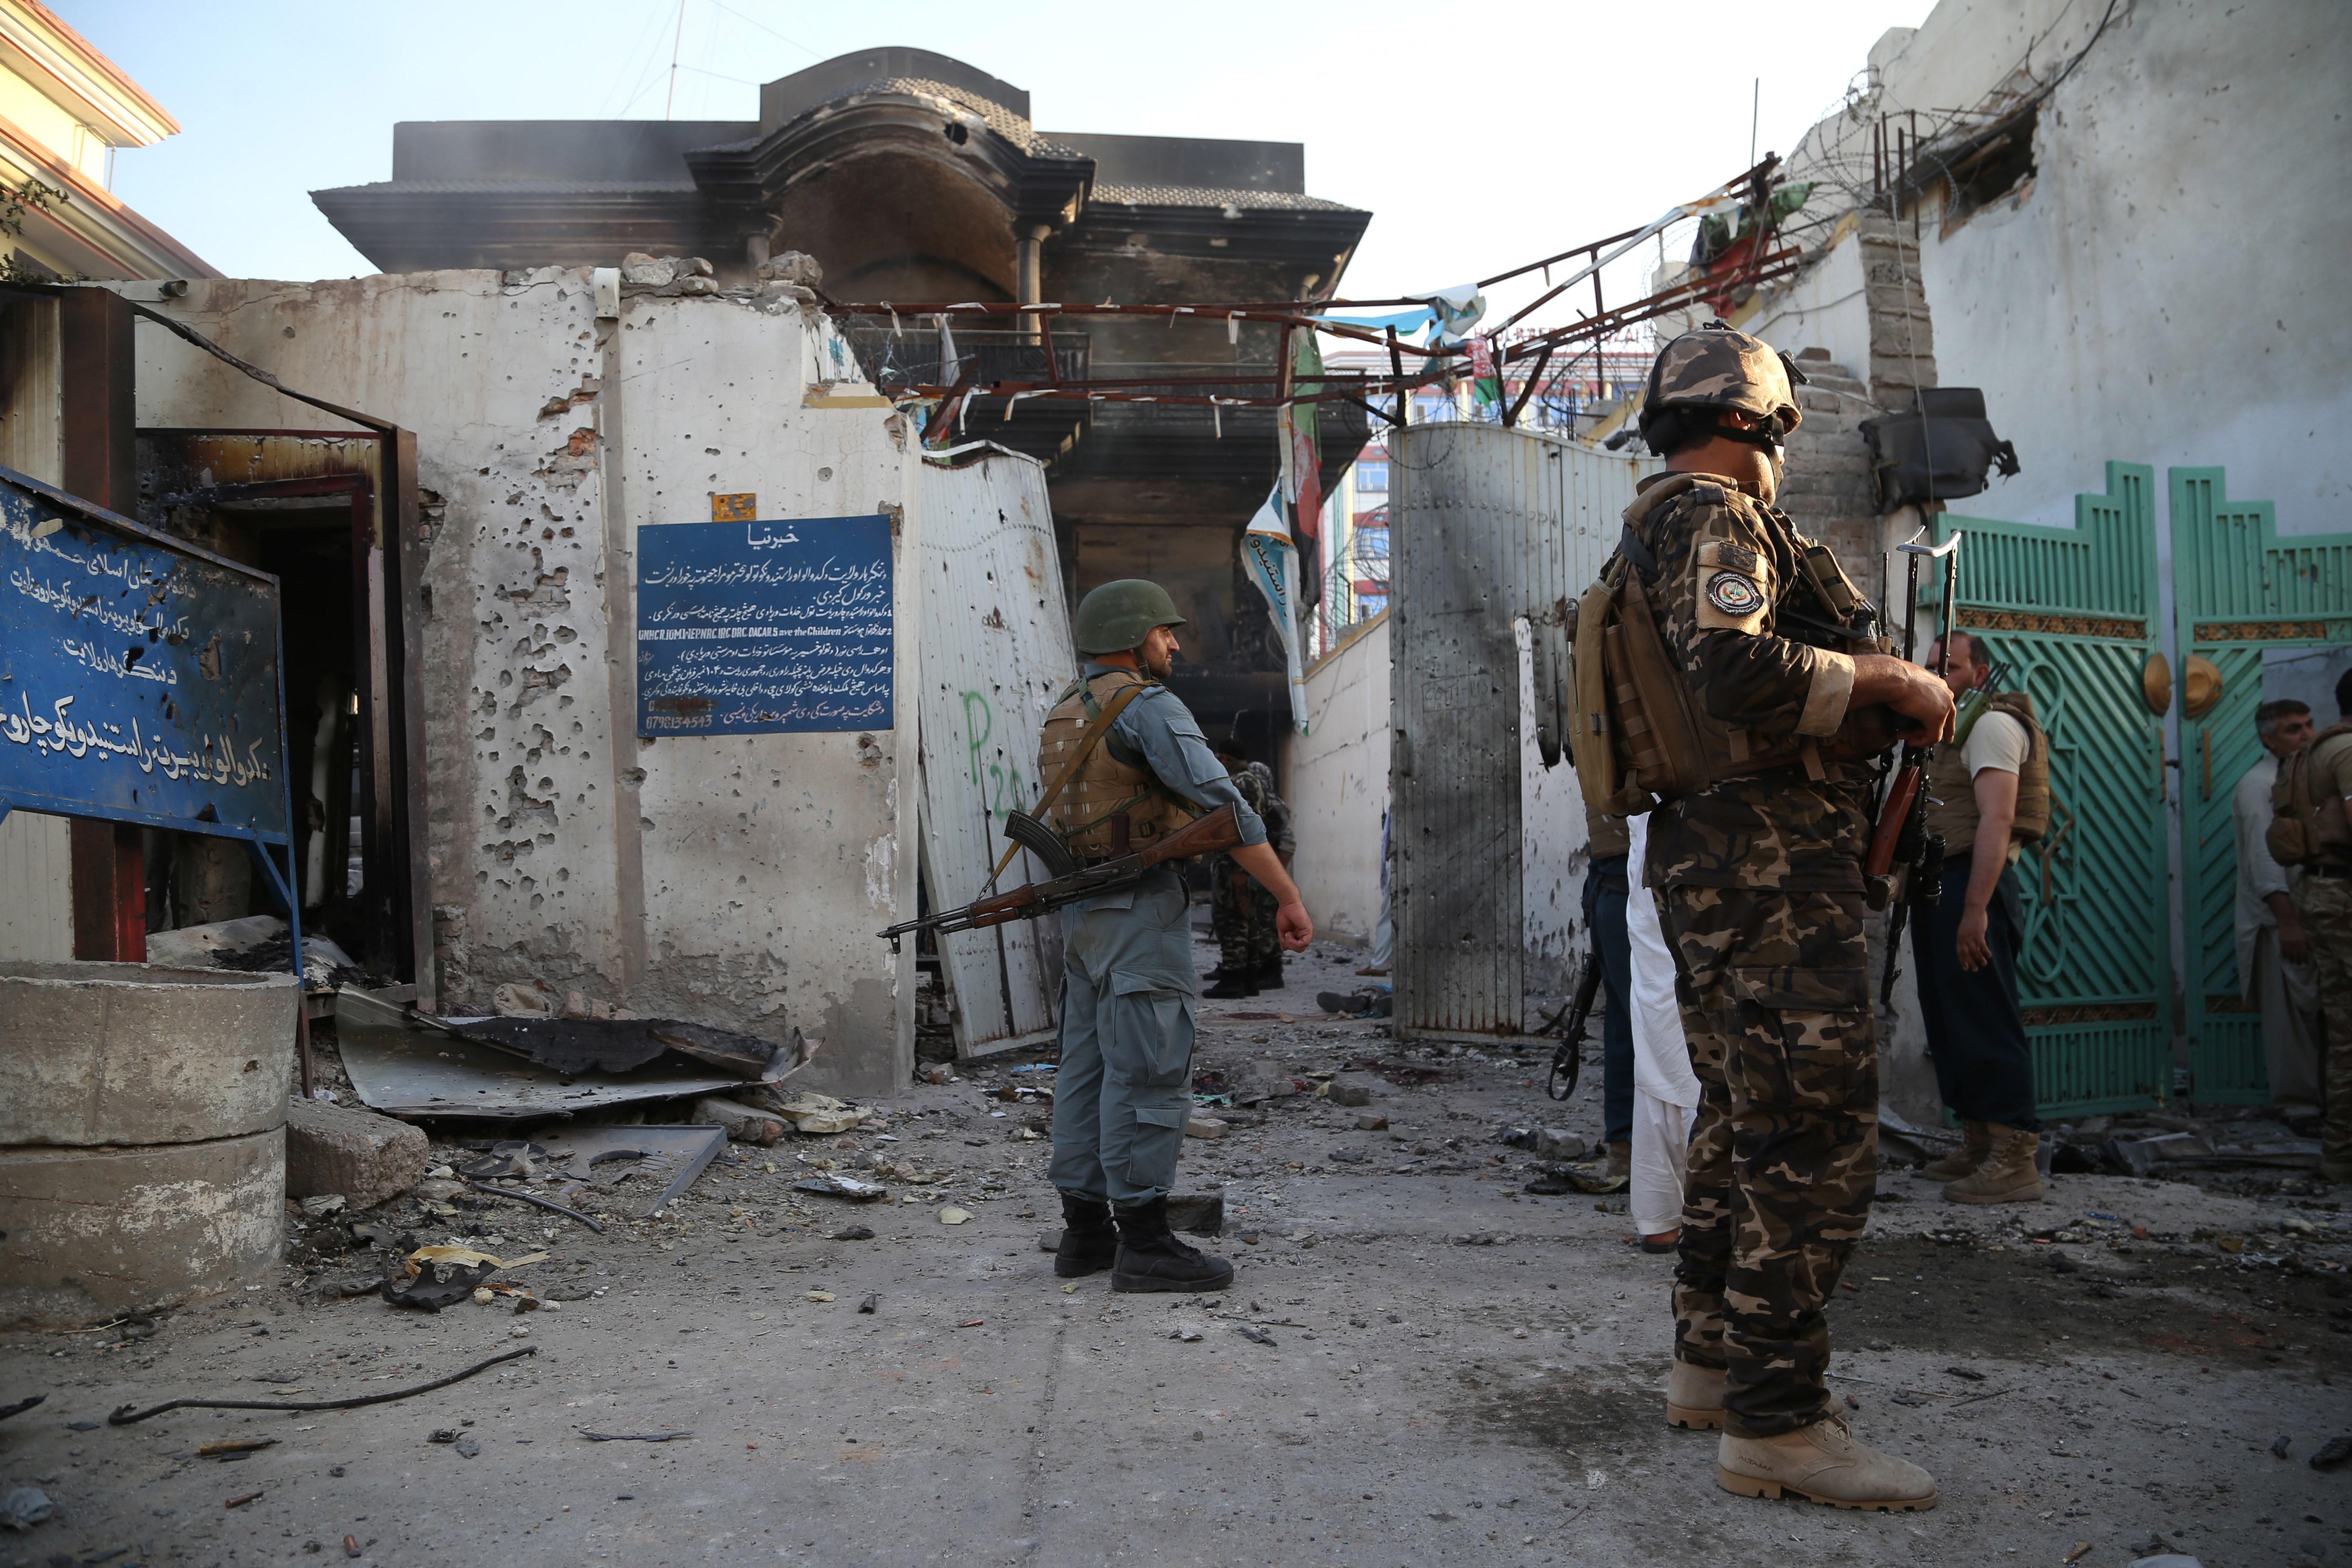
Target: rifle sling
1087, 741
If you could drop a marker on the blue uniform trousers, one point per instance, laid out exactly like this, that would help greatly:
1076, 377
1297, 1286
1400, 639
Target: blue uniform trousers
1124, 1092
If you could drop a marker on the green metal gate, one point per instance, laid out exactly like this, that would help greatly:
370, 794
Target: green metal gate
2238, 588
2075, 613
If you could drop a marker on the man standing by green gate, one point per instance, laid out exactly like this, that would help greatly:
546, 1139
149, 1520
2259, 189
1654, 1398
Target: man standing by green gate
2310, 828
1989, 797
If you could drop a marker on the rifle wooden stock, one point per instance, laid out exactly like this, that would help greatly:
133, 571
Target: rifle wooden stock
1220, 829
1901, 797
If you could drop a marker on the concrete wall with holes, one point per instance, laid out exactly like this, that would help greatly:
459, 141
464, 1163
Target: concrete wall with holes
1335, 778
733, 881
1555, 851
2160, 288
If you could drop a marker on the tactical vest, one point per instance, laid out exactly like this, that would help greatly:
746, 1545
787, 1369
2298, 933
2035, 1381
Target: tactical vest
1104, 786
1638, 735
1952, 792
2307, 824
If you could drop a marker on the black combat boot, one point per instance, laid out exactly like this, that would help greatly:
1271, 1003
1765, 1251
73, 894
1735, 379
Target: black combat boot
1230, 987
1152, 1258
1089, 1242
1268, 976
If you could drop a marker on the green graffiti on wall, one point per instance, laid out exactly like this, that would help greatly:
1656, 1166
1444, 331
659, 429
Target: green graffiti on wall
1000, 785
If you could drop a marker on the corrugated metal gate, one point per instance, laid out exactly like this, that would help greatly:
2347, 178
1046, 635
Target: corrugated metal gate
1491, 527
2075, 613
996, 652
2238, 588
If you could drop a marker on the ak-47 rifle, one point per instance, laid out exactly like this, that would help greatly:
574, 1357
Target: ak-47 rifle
1071, 882
1567, 1058
1900, 837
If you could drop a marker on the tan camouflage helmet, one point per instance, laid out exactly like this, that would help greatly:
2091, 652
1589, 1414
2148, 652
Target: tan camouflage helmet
1716, 367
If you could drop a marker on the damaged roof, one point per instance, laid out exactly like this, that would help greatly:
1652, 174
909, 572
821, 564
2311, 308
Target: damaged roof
700, 187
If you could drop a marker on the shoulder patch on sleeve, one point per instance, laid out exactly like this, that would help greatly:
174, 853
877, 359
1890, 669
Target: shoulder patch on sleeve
1735, 586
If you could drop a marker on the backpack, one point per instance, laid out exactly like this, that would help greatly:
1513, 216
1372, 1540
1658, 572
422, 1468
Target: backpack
1632, 732
2308, 828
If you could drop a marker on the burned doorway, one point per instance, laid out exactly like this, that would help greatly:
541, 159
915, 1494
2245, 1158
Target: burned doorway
317, 509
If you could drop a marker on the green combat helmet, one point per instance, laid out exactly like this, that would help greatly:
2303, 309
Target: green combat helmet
1715, 368
1119, 616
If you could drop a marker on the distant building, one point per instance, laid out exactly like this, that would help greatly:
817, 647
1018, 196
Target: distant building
64, 110
913, 178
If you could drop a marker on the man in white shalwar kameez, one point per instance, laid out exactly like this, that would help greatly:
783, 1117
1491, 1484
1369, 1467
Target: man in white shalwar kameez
1665, 1089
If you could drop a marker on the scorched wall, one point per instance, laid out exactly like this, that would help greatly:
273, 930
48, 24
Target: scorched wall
733, 881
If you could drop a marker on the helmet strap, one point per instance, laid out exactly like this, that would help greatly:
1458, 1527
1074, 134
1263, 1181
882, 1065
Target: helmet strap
1769, 434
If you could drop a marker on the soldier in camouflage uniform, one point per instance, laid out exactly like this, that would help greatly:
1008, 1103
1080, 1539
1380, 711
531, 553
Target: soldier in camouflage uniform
1762, 897
1242, 913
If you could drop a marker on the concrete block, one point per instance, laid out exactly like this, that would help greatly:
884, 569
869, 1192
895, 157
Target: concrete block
1204, 1127
89, 1234
341, 1149
1203, 1214
103, 1054
1352, 1089
743, 1125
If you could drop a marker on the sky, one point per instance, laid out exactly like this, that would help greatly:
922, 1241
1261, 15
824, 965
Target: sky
1479, 136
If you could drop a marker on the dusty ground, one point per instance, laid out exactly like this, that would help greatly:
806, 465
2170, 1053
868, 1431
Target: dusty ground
1457, 1373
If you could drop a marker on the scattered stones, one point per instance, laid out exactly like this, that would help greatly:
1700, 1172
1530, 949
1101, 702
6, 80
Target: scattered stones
791, 267
1372, 1122
21, 1508
811, 1114
834, 1186
648, 271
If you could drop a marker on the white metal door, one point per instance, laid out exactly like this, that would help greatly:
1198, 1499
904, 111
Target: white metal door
996, 652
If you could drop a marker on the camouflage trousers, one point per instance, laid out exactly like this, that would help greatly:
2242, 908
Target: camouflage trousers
2325, 905
1242, 919
1774, 988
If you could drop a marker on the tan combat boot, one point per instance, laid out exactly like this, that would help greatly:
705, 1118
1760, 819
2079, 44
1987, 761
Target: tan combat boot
1825, 1463
1621, 1161
1694, 1397
2008, 1174
1964, 1159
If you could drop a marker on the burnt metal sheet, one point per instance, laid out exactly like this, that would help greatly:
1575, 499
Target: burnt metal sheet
1492, 528
423, 1072
625, 1045
139, 675
751, 628
673, 1158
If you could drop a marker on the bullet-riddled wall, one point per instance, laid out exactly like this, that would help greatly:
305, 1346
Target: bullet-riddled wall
733, 881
